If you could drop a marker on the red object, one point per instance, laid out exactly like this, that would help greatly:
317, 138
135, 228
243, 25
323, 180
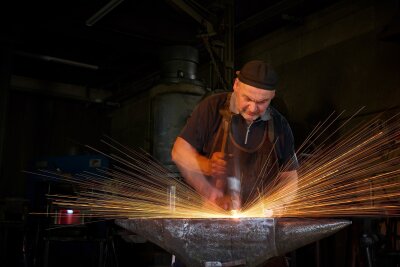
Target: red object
68, 216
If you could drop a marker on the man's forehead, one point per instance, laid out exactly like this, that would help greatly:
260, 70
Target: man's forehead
255, 93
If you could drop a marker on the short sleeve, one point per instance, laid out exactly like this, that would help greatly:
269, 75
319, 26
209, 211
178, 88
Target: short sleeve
203, 122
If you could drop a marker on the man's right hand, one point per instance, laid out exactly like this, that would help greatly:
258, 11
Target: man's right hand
213, 194
216, 196
218, 165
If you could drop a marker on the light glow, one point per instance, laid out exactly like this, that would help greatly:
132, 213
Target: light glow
353, 175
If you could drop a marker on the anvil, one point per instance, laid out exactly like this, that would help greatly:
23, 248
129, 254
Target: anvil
249, 240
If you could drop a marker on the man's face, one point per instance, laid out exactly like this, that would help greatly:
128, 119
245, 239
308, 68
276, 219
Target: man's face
251, 101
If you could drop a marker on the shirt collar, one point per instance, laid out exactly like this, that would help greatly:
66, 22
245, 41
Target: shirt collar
232, 106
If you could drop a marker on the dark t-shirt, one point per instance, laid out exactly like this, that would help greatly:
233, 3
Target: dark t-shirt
205, 120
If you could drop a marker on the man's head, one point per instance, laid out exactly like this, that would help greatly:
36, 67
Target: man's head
254, 88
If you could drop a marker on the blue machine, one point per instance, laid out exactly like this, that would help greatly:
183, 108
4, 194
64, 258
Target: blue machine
73, 164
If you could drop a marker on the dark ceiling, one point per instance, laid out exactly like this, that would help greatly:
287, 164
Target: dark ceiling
54, 41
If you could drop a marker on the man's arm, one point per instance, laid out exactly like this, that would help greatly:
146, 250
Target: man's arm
195, 167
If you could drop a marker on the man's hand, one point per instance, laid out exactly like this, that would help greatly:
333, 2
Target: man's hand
195, 167
216, 197
218, 165
224, 202
213, 194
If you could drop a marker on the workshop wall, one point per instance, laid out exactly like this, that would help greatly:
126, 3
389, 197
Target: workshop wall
337, 59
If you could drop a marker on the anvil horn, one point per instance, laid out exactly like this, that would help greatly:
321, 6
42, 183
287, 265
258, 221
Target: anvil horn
254, 240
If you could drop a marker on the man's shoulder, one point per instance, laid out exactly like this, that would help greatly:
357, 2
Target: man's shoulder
276, 115
212, 103
280, 120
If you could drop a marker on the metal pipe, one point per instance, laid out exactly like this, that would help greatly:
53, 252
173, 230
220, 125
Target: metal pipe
102, 12
58, 60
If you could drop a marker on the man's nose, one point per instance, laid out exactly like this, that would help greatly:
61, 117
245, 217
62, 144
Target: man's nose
253, 107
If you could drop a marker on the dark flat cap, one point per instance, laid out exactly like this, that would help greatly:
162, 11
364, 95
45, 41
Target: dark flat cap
259, 74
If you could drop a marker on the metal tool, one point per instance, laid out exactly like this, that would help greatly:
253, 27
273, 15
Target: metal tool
253, 240
233, 189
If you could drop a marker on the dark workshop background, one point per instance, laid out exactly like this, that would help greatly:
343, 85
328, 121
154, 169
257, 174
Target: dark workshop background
75, 71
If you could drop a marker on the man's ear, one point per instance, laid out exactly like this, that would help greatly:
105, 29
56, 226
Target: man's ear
236, 84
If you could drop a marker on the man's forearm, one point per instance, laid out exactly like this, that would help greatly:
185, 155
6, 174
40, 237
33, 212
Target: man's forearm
194, 168
195, 179
187, 158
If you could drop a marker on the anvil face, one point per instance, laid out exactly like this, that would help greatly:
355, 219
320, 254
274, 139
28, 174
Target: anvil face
253, 240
